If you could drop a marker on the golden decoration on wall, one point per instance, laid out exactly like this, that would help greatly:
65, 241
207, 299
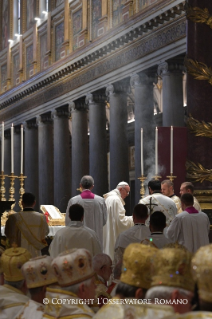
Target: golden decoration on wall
197, 172
199, 128
199, 15
199, 70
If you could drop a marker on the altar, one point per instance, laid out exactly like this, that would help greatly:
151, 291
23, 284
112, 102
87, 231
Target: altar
52, 230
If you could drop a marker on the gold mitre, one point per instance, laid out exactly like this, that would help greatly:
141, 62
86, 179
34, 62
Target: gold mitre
38, 272
136, 265
172, 267
12, 260
202, 272
176, 245
73, 266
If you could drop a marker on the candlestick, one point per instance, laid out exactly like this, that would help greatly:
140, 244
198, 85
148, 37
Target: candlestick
2, 147
156, 151
21, 190
12, 189
171, 177
12, 149
142, 190
142, 155
2, 189
171, 150
22, 149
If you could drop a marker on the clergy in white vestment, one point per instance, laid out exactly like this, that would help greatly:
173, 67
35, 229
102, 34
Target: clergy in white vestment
76, 284
13, 293
134, 234
38, 274
172, 279
158, 202
157, 224
134, 282
188, 187
191, 227
117, 222
75, 235
28, 228
167, 189
95, 212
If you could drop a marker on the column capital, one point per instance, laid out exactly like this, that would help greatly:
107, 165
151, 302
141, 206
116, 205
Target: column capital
17, 128
78, 105
139, 79
44, 118
32, 123
62, 111
172, 66
98, 97
117, 87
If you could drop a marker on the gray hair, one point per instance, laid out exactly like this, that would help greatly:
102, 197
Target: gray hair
100, 260
87, 181
75, 288
15, 284
163, 292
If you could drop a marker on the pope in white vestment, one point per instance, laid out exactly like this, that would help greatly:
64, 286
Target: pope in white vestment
95, 212
74, 236
117, 222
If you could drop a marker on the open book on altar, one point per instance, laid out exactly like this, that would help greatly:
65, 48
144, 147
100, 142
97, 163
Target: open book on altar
54, 216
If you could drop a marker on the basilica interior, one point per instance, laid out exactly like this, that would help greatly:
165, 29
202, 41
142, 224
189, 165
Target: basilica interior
84, 77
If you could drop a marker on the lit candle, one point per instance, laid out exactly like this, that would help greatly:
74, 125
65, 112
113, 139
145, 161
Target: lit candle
12, 149
142, 155
22, 148
156, 151
2, 147
171, 151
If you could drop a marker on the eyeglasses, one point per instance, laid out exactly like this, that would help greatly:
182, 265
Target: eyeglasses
126, 191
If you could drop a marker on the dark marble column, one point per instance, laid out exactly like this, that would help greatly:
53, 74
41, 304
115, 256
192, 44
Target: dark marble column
172, 96
144, 112
45, 159
119, 155
80, 158
97, 141
17, 163
199, 93
31, 159
62, 158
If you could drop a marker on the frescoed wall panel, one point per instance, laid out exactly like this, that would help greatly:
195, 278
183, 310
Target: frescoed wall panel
96, 15
77, 28
3, 77
142, 4
16, 62
59, 39
121, 11
29, 60
43, 49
